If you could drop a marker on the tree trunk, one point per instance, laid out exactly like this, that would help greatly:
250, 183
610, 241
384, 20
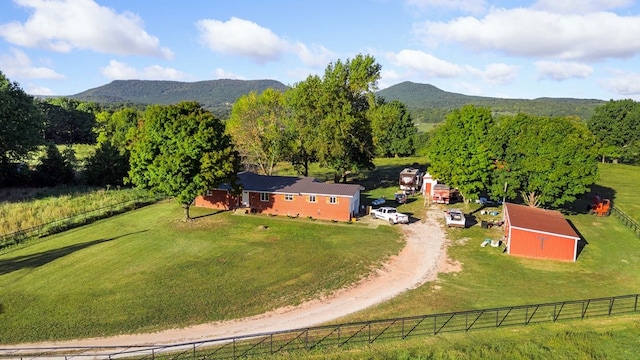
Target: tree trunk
187, 216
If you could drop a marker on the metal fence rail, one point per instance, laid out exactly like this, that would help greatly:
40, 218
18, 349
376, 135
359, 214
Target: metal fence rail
351, 334
59, 225
626, 220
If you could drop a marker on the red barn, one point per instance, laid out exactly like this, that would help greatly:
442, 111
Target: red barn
539, 233
287, 195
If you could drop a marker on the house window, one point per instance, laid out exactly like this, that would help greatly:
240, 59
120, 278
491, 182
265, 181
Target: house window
312, 198
288, 197
209, 193
333, 200
264, 196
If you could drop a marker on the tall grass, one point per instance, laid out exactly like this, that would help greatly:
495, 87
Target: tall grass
26, 208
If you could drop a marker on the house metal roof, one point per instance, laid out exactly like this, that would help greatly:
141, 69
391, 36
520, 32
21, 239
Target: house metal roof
539, 220
251, 181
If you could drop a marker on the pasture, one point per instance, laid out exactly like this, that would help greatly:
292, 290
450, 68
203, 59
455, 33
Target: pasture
147, 270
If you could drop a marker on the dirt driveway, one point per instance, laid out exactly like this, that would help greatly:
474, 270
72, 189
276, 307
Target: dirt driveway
423, 257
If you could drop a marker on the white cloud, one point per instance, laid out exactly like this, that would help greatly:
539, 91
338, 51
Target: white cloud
317, 56
18, 64
470, 6
426, 64
527, 32
496, 73
120, 71
223, 74
65, 25
241, 37
579, 6
33, 89
560, 70
626, 83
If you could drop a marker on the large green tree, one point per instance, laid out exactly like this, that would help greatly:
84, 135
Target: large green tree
305, 102
55, 168
616, 125
259, 127
460, 151
182, 151
21, 127
68, 121
392, 129
548, 161
343, 139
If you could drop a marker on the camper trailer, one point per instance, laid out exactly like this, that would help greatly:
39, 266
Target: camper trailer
410, 180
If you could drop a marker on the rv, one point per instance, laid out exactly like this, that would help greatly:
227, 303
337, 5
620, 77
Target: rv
410, 180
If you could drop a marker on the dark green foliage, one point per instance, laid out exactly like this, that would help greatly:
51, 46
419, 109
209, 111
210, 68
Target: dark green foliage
616, 125
108, 166
68, 121
54, 168
342, 131
393, 130
118, 127
549, 161
182, 151
459, 151
21, 129
427, 103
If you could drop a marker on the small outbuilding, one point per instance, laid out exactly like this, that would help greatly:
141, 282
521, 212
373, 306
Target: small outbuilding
539, 233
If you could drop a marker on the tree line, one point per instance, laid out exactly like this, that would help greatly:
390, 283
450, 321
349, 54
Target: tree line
335, 120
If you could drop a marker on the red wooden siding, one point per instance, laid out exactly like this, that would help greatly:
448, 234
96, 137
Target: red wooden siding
539, 233
532, 244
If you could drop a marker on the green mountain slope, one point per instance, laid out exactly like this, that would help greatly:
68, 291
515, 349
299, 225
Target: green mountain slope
430, 104
426, 102
212, 94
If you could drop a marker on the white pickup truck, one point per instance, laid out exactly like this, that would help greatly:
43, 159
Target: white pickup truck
390, 214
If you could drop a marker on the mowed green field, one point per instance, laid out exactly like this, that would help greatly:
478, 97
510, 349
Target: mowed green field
608, 265
148, 270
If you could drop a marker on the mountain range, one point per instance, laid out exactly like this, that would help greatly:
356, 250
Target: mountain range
426, 102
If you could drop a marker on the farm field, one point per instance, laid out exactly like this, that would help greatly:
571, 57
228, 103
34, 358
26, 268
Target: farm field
144, 270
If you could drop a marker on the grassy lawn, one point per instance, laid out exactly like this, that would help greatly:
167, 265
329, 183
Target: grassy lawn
608, 265
608, 338
147, 270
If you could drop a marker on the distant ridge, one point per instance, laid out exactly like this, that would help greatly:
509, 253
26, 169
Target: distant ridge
426, 102
212, 94
430, 104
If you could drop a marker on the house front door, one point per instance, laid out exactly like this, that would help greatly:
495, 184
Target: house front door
245, 199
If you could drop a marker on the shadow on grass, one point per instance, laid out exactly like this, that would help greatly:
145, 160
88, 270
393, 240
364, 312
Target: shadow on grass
582, 204
36, 260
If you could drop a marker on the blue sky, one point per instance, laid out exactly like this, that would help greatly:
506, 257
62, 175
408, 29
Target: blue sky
511, 49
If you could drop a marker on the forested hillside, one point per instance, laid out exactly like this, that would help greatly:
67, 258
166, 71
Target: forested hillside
427, 103
214, 95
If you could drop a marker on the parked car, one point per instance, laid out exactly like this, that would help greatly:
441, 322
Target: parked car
390, 214
455, 218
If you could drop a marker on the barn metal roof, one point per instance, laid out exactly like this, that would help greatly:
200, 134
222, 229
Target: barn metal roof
251, 181
539, 220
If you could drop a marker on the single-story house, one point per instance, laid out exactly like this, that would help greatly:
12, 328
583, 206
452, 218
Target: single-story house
288, 196
539, 233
